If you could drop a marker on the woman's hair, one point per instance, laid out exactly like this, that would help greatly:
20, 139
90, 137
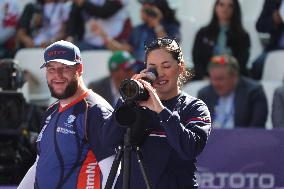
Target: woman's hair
163, 6
235, 24
172, 47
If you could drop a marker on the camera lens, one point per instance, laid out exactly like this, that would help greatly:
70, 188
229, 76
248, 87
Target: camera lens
130, 89
133, 90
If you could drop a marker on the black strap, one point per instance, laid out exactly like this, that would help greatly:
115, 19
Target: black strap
76, 112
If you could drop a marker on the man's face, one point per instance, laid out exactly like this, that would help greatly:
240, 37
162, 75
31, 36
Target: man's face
62, 79
222, 81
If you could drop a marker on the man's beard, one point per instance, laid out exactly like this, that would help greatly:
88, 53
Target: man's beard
70, 90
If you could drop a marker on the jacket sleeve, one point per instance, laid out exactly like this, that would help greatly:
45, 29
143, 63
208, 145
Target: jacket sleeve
259, 107
111, 133
187, 133
265, 21
201, 54
241, 50
75, 23
96, 118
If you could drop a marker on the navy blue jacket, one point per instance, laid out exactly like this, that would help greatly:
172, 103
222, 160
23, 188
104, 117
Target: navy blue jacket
176, 136
68, 145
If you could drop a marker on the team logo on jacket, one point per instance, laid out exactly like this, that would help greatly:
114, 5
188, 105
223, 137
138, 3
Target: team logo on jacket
70, 120
69, 125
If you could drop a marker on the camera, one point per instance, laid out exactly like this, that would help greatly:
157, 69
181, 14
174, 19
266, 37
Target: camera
11, 75
133, 90
18, 124
131, 115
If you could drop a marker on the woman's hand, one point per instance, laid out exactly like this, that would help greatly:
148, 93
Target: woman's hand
153, 102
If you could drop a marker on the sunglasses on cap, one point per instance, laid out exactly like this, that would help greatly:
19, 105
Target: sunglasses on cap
170, 43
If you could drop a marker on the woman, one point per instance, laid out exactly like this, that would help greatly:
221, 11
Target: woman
223, 35
177, 124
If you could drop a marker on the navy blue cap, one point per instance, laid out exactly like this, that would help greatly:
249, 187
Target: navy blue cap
63, 52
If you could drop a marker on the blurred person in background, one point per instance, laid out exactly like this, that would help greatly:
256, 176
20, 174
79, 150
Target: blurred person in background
158, 19
223, 35
270, 22
9, 15
87, 15
42, 23
278, 108
121, 65
233, 100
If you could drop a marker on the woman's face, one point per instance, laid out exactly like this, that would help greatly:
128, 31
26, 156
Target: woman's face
224, 10
168, 70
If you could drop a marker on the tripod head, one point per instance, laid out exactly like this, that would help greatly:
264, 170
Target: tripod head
130, 115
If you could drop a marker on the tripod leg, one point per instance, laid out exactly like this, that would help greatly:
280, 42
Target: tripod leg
142, 167
126, 159
114, 168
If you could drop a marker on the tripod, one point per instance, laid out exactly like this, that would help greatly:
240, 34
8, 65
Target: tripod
125, 151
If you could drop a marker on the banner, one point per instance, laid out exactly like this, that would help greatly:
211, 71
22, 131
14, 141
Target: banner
242, 158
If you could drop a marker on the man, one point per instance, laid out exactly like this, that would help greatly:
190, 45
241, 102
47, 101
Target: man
69, 152
233, 100
121, 65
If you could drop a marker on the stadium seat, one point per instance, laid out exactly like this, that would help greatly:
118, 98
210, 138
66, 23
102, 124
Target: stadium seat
269, 88
256, 46
193, 87
95, 64
274, 66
